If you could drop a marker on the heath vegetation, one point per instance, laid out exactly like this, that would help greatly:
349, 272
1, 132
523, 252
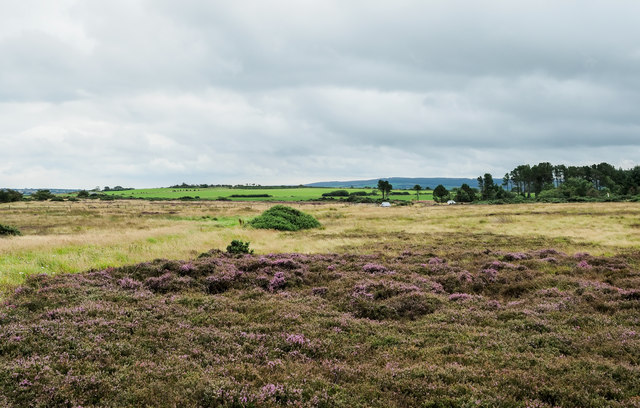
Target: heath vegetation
127, 304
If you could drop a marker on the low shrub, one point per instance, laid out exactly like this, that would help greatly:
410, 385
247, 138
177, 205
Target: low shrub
283, 218
251, 195
239, 247
9, 230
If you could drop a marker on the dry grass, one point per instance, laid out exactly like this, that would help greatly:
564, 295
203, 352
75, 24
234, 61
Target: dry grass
77, 236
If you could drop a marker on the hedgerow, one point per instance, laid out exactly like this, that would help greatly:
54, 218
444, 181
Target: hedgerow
281, 217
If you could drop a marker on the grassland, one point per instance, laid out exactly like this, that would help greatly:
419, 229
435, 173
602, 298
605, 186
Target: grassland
61, 237
277, 194
426, 305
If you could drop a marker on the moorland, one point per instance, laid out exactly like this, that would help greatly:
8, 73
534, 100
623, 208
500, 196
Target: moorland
136, 303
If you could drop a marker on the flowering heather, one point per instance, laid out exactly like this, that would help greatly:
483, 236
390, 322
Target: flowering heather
374, 268
583, 265
224, 332
516, 256
544, 253
490, 274
321, 291
128, 283
186, 267
296, 339
460, 297
465, 277
435, 261
581, 255
278, 282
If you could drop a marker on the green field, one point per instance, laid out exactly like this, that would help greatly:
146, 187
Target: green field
277, 194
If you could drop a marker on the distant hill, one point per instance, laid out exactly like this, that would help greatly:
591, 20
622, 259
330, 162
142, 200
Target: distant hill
400, 182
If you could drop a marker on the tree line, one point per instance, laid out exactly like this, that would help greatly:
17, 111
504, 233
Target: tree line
547, 182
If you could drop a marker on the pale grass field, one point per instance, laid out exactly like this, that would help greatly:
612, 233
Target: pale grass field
64, 237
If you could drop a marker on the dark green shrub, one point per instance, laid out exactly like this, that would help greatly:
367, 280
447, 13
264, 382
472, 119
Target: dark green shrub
283, 218
42, 195
9, 230
8, 195
336, 193
239, 247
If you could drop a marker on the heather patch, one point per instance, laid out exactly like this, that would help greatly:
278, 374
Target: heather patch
323, 330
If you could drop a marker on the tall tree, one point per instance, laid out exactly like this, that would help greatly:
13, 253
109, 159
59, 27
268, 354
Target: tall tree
417, 187
382, 187
506, 180
440, 194
385, 188
542, 174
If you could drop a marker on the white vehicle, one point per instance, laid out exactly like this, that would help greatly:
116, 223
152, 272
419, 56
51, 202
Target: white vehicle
451, 202
385, 204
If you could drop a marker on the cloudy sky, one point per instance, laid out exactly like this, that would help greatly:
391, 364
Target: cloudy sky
149, 93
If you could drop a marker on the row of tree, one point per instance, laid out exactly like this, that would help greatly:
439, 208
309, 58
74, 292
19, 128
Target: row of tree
545, 180
9, 196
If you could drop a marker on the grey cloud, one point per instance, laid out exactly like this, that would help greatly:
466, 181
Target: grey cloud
155, 92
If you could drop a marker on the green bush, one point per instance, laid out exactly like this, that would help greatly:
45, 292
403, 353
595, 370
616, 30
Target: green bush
239, 247
8, 195
283, 218
42, 195
336, 193
9, 230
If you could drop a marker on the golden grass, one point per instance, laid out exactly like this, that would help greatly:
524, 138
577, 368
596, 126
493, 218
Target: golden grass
76, 236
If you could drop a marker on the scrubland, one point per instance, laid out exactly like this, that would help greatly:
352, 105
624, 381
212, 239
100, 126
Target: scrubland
434, 306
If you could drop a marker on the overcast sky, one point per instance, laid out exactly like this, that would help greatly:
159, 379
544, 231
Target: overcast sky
147, 93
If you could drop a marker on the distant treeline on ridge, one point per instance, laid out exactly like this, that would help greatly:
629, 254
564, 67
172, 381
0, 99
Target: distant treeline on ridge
547, 182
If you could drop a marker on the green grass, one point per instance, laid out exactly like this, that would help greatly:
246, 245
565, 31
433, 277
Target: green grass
277, 194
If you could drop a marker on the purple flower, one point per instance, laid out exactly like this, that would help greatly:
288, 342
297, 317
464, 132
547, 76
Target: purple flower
455, 297
296, 339
277, 282
185, 268
374, 268
516, 256
128, 283
491, 274
584, 265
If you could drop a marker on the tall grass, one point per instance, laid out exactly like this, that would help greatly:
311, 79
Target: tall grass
62, 237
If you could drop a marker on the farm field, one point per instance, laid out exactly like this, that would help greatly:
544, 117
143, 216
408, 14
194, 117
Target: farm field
425, 305
277, 194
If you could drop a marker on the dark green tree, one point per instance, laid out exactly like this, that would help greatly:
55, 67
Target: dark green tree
42, 195
9, 196
385, 188
440, 194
